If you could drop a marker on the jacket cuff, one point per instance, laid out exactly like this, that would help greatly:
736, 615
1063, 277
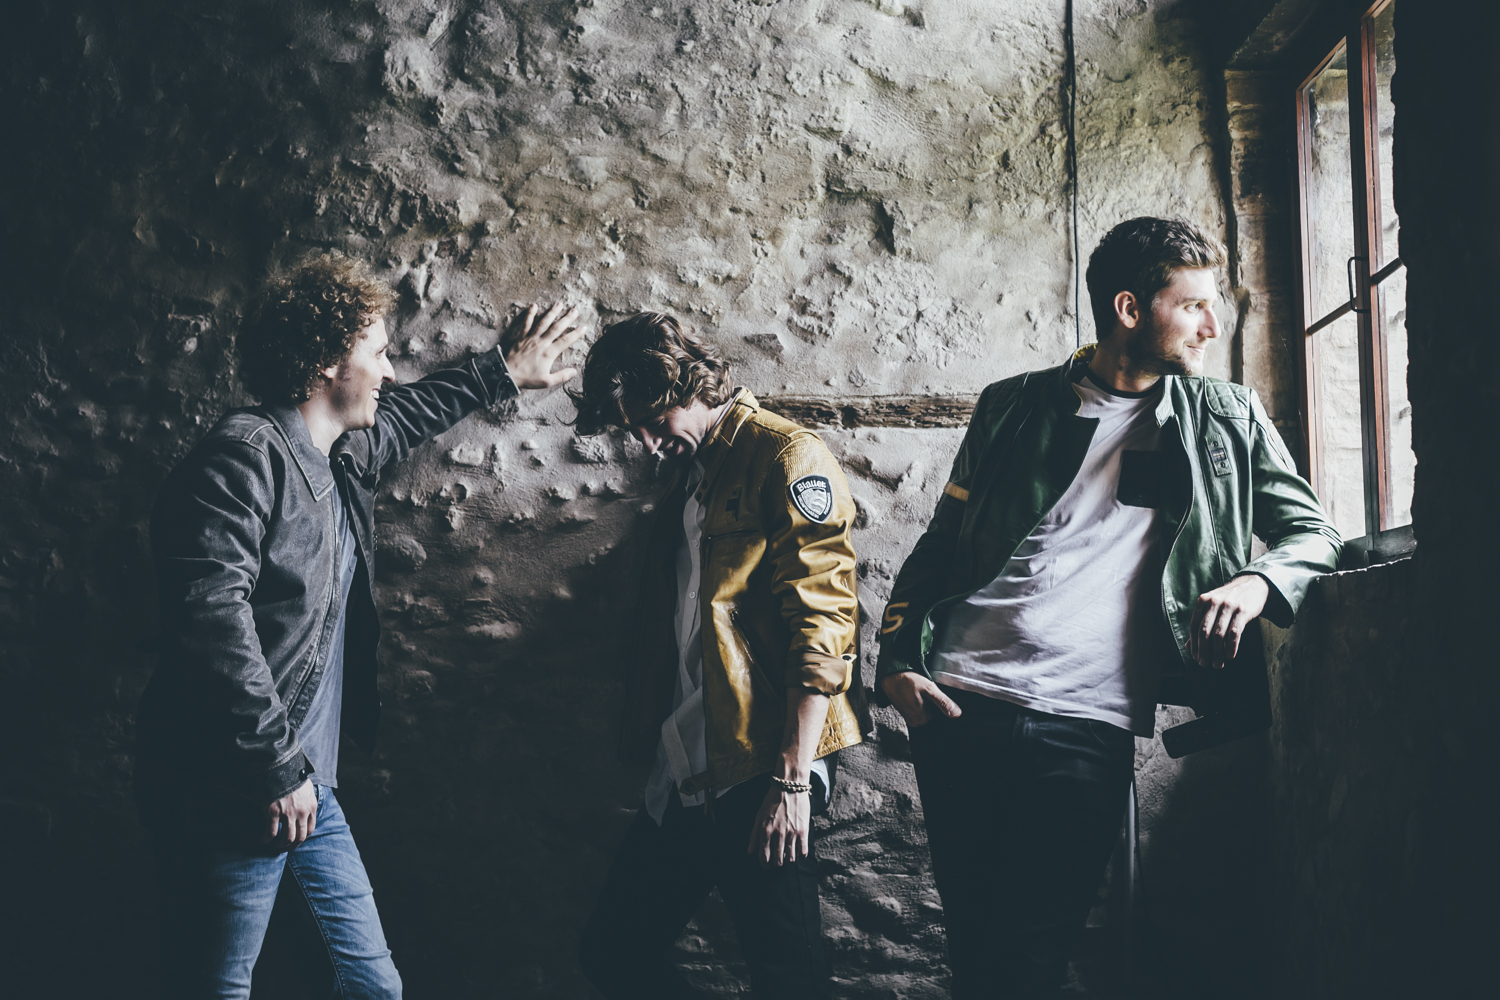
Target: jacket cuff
284, 778
1278, 610
822, 672
498, 385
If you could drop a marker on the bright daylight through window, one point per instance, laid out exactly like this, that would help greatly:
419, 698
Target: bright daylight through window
1356, 416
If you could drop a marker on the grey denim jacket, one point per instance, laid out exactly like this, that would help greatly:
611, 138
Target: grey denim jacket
245, 551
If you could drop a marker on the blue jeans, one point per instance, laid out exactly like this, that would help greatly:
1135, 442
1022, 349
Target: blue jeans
218, 886
1022, 811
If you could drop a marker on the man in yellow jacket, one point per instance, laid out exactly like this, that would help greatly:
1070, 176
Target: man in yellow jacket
736, 692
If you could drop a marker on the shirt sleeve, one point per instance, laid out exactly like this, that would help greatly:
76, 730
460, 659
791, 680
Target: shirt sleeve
414, 412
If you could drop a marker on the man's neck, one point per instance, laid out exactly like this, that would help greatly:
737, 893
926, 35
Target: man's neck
322, 425
715, 418
1114, 368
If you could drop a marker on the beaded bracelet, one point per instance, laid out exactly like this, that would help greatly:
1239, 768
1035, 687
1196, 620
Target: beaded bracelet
792, 786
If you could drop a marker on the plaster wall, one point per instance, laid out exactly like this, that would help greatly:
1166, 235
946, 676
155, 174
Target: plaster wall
848, 198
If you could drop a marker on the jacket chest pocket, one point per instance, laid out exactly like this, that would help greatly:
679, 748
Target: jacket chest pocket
729, 512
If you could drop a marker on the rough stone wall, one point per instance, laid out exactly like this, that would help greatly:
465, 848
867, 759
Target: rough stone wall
850, 198
1344, 779
1262, 154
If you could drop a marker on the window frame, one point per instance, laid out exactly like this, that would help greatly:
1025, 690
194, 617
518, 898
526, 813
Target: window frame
1367, 267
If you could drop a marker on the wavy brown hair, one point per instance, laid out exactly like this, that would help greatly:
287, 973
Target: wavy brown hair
303, 320
1139, 256
641, 367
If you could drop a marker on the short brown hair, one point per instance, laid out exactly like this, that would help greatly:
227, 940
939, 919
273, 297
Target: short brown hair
303, 320
641, 367
1139, 256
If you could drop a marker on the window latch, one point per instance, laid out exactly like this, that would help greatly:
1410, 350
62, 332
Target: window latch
1353, 294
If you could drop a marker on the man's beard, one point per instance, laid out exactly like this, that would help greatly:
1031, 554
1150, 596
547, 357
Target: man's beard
1145, 356
1159, 364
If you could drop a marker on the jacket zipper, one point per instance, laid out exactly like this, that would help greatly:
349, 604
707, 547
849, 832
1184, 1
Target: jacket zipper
747, 647
1166, 562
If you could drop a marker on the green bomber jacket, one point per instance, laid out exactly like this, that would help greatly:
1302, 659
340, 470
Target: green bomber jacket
1227, 475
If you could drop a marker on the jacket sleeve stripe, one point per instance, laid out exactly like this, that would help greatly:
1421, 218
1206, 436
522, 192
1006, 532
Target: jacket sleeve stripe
957, 492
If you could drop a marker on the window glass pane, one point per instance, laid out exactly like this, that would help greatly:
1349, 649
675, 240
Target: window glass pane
1340, 436
1403, 463
1385, 117
1390, 314
1328, 188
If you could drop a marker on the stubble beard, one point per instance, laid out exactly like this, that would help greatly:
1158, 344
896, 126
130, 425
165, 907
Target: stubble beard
1160, 364
1146, 355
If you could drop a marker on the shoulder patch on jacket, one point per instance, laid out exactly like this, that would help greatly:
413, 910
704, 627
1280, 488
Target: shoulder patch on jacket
813, 496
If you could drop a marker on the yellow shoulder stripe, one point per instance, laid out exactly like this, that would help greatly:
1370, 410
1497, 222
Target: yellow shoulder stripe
956, 492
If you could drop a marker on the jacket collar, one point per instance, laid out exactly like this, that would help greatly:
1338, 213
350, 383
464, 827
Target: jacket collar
312, 462
742, 407
1082, 357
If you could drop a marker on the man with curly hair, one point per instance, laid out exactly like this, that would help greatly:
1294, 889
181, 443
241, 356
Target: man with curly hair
738, 676
264, 544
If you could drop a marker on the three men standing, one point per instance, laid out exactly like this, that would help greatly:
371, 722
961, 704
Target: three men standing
264, 544
1093, 544
737, 676
1093, 541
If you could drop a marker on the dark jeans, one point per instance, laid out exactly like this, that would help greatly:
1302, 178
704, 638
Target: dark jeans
218, 886
1022, 811
662, 874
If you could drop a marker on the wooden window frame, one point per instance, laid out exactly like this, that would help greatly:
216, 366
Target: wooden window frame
1368, 267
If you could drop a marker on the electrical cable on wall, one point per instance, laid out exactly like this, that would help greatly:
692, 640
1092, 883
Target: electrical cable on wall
1071, 74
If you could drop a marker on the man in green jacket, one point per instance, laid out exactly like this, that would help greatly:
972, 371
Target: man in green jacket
1090, 557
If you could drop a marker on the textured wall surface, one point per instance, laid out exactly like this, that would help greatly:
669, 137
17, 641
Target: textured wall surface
1344, 778
850, 198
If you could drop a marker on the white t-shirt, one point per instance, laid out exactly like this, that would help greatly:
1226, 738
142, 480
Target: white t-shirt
1071, 626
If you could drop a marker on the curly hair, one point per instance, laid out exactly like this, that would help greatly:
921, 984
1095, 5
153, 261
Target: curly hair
1139, 256
643, 366
303, 320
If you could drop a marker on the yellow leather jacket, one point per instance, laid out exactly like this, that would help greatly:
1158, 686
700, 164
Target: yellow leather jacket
779, 606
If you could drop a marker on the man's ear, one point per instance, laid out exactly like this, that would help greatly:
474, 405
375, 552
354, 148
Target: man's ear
330, 373
1127, 310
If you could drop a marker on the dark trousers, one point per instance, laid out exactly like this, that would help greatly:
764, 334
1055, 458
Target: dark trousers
662, 874
1022, 812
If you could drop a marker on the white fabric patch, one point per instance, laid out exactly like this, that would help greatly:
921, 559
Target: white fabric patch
813, 496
